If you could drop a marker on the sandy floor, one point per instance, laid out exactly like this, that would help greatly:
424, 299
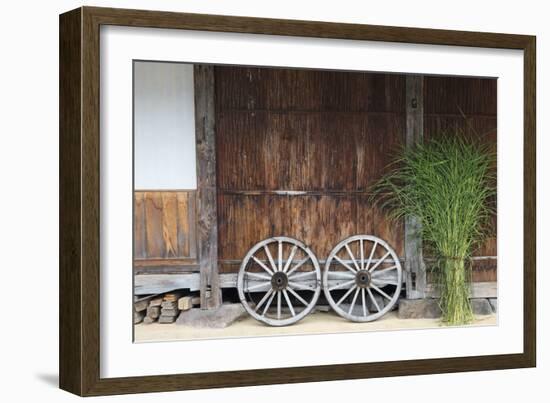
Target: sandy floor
315, 323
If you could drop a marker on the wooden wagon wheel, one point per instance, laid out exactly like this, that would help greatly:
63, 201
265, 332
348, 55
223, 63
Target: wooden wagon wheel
279, 281
362, 278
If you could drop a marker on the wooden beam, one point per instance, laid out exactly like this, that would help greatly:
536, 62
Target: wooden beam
487, 289
206, 184
165, 262
146, 284
415, 270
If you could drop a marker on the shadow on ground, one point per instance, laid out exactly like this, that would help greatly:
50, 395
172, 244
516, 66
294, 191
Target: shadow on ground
49, 379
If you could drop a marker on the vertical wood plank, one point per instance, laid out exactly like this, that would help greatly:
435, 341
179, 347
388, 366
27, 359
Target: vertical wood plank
139, 225
415, 271
183, 223
153, 224
206, 183
164, 225
169, 224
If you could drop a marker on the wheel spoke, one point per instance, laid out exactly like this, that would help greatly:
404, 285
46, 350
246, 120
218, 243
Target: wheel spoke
379, 272
297, 296
262, 265
353, 301
345, 295
352, 257
258, 276
278, 304
361, 273
280, 262
364, 302
371, 254
298, 265
260, 285
288, 302
279, 281
342, 285
362, 254
381, 292
291, 256
265, 297
379, 262
373, 300
268, 303
345, 264
270, 258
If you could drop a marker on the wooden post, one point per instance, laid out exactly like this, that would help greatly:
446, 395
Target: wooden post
415, 270
206, 186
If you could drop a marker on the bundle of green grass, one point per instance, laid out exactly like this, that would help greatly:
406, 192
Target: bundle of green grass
450, 186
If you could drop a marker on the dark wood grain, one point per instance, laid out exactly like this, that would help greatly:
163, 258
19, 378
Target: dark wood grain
315, 29
530, 203
207, 220
415, 269
90, 203
164, 226
79, 194
70, 230
327, 135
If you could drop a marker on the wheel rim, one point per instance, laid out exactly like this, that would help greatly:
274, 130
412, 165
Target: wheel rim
279, 281
362, 278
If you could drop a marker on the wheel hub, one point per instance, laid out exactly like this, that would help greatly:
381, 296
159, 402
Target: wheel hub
363, 278
279, 281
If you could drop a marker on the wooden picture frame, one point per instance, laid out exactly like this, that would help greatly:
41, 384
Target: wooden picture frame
79, 277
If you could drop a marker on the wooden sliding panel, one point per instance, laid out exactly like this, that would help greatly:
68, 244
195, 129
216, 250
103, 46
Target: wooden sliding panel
297, 152
243, 220
321, 221
164, 229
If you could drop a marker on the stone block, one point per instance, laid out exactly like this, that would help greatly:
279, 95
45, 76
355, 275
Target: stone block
148, 320
418, 308
494, 304
481, 306
138, 317
222, 317
166, 319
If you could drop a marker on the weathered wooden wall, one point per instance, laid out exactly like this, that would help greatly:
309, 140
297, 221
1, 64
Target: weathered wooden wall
470, 105
164, 229
298, 149
296, 153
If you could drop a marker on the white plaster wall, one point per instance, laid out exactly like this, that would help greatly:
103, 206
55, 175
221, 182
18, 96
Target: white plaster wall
164, 126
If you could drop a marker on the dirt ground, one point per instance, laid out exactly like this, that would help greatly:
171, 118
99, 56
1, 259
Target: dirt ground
315, 323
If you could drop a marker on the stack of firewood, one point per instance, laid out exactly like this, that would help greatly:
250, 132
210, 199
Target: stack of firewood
140, 306
153, 310
169, 308
163, 308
